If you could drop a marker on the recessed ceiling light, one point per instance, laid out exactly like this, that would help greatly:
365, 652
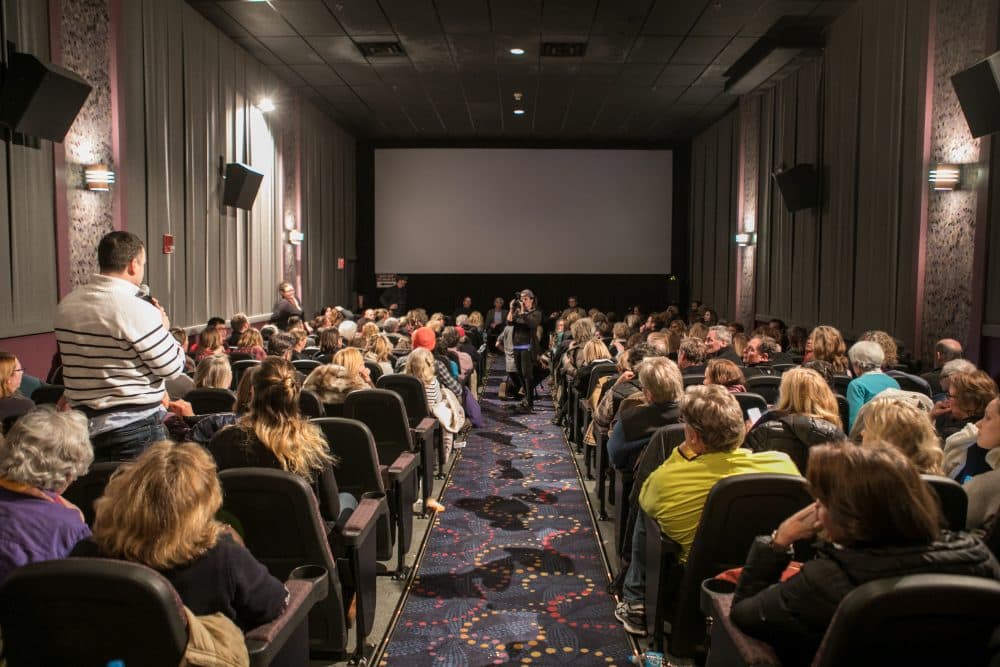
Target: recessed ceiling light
518, 112
517, 51
266, 105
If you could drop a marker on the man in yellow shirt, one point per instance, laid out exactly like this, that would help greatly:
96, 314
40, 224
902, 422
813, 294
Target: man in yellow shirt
675, 493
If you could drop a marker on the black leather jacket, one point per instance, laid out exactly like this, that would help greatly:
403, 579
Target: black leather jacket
792, 434
793, 615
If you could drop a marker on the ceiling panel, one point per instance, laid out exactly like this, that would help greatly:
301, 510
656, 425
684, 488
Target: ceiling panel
258, 18
292, 50
652, 69
308, 17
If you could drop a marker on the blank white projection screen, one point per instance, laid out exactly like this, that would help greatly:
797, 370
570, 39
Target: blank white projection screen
445, 210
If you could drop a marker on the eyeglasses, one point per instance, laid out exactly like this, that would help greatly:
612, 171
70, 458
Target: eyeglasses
19, 370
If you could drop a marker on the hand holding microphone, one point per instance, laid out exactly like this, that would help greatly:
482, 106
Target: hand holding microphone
145, 296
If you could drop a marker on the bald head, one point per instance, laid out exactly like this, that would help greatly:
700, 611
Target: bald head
945, 350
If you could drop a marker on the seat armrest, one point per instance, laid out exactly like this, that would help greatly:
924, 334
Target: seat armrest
403, 466
426, 427
730, 645
265, 641
363, 520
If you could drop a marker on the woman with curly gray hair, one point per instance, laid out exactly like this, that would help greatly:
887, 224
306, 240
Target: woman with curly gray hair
42, 454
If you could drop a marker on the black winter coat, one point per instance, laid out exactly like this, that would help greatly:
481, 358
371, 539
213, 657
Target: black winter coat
793, 434
792, 616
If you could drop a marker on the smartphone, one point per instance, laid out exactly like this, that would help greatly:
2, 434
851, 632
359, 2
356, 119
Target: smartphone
753, 414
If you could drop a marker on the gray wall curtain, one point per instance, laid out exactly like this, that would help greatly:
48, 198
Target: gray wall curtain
28, 279
189, 107
714, 173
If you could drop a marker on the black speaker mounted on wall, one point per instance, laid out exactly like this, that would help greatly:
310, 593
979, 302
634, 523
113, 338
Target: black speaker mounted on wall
799, 187
978, 90
40, 99
242, 183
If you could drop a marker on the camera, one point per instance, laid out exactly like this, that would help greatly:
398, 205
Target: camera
516, 302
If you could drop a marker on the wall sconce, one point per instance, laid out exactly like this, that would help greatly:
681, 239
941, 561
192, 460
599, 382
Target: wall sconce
295, 237
746, 239
98, 177
946, 177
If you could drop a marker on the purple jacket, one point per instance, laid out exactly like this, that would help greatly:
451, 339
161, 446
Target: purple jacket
32, 530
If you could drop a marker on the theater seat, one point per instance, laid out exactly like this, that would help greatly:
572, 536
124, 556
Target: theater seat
414, 396
86, 489
951, 498
207, 401
90, 611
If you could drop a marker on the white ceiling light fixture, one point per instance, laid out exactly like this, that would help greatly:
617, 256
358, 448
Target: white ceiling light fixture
266, 105
517, 51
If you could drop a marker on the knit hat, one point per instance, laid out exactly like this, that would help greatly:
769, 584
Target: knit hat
424, 337
460, 331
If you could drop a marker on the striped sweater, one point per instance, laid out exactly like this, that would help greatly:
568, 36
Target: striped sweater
115, 351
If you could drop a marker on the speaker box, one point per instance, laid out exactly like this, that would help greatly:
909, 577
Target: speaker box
978, 90
799, 187
242, 183
40, 99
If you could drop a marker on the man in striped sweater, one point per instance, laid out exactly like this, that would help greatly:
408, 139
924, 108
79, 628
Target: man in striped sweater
117, 352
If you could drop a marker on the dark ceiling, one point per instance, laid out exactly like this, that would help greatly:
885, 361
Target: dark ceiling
652, 70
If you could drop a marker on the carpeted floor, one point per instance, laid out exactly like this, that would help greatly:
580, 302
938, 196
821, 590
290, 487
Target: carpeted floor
512, 572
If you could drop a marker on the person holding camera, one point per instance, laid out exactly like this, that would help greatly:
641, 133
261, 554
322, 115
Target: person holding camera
525, 317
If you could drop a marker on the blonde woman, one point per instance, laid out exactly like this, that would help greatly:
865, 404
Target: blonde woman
595, 353
273, 434
213, 372
905, 427
159, 510
251, 342
447, 409
806, 415
379, 350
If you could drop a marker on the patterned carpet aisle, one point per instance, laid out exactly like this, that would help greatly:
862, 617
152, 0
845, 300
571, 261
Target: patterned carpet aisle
512, 573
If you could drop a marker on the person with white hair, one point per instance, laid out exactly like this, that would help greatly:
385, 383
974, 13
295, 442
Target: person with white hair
719, 345
42, 454
866, 359
348, 329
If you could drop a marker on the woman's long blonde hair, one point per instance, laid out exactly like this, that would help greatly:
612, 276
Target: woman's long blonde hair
805, 392
420, 364
905, 427
159, 509
275, 419
351, 359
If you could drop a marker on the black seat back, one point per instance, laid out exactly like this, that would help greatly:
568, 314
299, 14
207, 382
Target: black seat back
952, 499
411, 390
48, 394
909, 382
238, 368
306, 366
693, 379
206, 401
280, 521
88, 488
599, 371
737, 510
748, 400
840, 383
922, 619
844, 408
310, 405
767, 386
119, 611
352, 442
374, 370
383, 412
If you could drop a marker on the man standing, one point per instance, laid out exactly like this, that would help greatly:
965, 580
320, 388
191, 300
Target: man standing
287, 306
496, 320
117, 350
525, 317
394, 298
464, 309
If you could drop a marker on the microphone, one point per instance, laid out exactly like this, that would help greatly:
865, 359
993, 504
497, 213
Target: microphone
144, 293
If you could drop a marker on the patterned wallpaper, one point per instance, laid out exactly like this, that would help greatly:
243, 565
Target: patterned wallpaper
961, 40
85, 50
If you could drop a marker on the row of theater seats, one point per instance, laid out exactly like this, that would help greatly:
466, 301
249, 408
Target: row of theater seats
385, 443
737, 510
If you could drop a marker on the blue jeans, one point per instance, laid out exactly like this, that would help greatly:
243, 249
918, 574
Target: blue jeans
634, 585
127, 442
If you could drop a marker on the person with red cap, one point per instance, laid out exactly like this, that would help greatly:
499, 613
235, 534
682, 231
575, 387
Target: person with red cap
424, 337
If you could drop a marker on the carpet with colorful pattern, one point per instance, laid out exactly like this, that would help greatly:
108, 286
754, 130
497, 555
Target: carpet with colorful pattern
512, 571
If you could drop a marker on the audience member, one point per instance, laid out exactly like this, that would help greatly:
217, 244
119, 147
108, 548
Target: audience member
888, 345
965, 456
424, 337
826, 344
240, 324
394, 298
878, 519
626, 386
122, 396
160, 511
380, 352
805, 415
281, 345
662, 387
675, 493
42, 454
441, 402
983, 489
968, 396
691, 356
13, 404
866, 363
758, 356
904, 426
250, 343
213, 372
287, 306
719, 345
945, 350
726, 374
209, 344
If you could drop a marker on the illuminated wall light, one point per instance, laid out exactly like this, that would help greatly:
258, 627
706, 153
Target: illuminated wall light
517, 51
746, 239
266, 105
518, 112
98, 177
946, 177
